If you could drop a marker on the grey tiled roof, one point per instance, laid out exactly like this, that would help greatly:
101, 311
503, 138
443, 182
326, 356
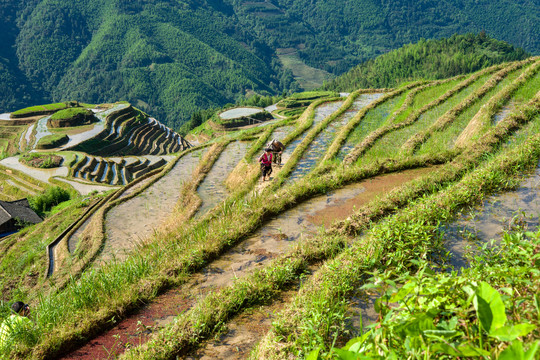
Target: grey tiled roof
19, 209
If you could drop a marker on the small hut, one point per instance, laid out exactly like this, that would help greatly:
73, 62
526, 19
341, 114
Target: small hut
13, 214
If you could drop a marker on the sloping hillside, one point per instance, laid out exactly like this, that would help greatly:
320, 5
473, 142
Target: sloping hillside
202, 258
171, 58
427, 59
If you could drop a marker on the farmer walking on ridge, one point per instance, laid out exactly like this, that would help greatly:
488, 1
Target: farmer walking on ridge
277, 149
15, 326
266, 163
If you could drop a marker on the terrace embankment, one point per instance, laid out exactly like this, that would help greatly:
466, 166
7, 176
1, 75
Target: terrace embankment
267, 243
213, 190
137, 218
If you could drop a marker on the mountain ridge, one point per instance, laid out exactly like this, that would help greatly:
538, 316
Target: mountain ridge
175, 58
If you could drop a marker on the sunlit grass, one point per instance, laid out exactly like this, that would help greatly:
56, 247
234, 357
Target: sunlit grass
390, 145
444, 140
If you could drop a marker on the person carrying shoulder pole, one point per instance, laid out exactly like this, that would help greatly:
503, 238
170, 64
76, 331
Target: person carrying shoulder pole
277, 149
266, 163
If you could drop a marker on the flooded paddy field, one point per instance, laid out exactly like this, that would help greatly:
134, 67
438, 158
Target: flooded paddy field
491, 219
213, 190
272, 240
137, 218
319, 145
321, 113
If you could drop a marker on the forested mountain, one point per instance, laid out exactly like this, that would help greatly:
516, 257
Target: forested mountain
428, 59
171, 58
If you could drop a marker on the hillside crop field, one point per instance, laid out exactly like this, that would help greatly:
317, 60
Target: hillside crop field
343, 254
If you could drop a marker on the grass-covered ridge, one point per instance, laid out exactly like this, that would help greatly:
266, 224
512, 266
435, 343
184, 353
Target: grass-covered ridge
428, 59
391, 229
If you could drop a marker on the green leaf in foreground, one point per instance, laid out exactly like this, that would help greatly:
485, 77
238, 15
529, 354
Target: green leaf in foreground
510, 333
489, 307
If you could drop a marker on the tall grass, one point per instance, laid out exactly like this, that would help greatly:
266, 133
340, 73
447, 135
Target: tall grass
415, 141
217, 307
481, 121
393, 244
400, 121
445, 138
168, 259
345, 132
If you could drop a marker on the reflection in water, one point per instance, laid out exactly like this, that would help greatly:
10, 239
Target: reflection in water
321, 113
136, 219
496, 215
371, 121
41, 129
212, 190
319, 145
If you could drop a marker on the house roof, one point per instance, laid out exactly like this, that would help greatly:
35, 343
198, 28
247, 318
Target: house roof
19, 209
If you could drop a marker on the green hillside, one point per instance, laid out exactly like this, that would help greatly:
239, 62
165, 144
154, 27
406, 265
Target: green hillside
172, 58
427, 59
413, 210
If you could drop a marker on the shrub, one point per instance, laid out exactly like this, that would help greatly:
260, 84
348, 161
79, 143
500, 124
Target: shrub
51, 197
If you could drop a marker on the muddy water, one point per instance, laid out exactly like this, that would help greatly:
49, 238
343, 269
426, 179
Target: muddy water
243, 333
270, 241
212, 190
136, 219
493, 217
319, 145
503, 113
321, 113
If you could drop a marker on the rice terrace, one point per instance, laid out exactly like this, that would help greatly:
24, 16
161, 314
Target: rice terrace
365, 244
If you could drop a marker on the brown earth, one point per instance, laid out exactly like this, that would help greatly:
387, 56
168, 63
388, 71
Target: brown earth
374, 187
245, 330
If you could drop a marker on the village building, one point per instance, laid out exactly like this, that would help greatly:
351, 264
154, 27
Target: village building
13, 214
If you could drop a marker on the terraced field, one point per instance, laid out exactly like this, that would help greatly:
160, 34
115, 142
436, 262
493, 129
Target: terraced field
199, 259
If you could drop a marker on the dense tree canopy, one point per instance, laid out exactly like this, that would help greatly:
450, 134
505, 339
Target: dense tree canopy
173, 58
428, 59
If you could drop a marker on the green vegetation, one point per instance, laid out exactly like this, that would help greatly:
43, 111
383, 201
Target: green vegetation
398, 245
505, 320
43, 109
44, 202
307, 77
69, 113
43, 161
396, 233
174, 58
428, 59
52, 141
